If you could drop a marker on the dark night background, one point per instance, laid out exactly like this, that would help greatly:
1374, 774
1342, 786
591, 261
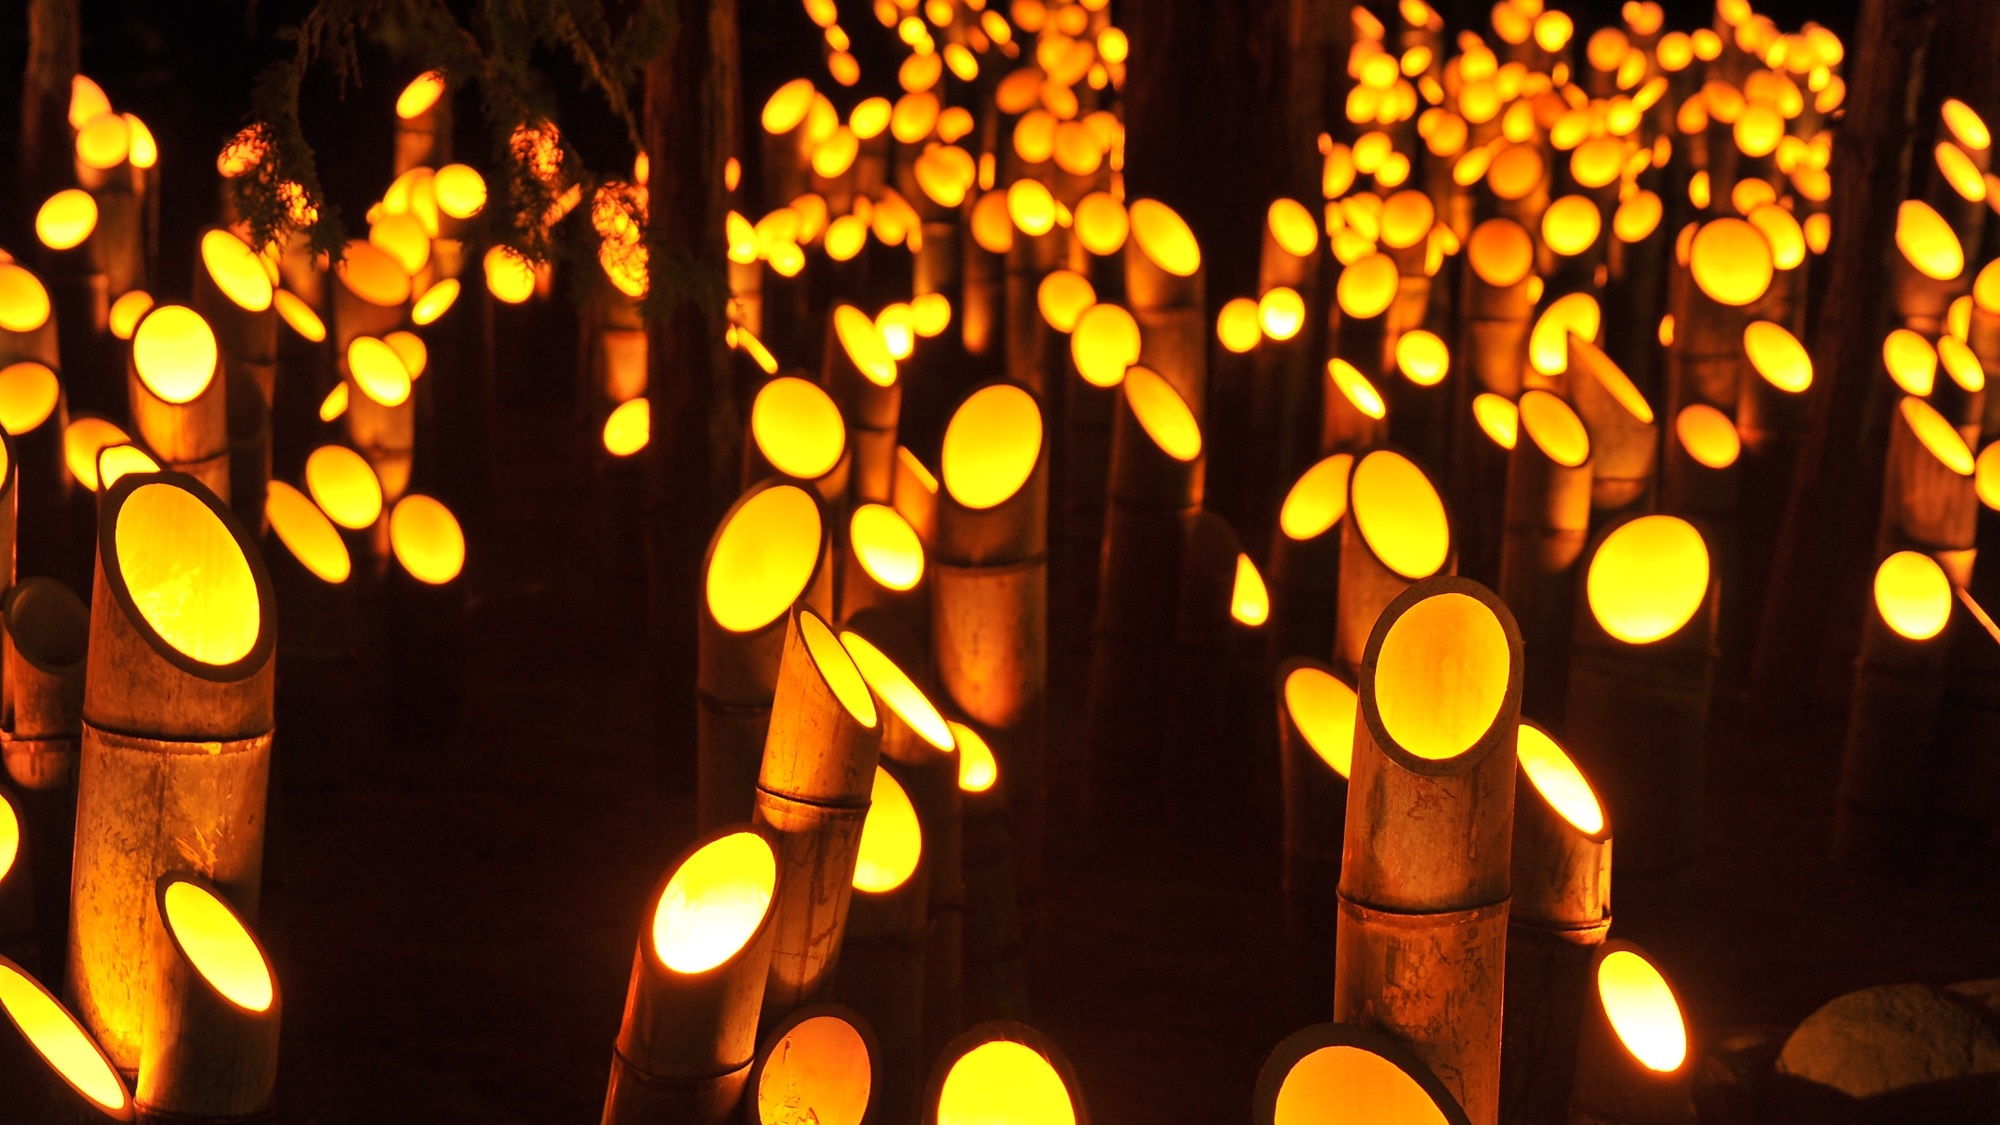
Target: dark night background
453, 919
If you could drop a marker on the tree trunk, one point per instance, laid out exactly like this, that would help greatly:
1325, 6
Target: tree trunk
690, 125
1819, 574
55, 48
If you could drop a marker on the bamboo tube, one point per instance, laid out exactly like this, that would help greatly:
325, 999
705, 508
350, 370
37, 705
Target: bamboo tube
319, 693
882, 971
1770, 419
989, 234
1961, 396
915, 495
372, 293
812, 794
1282, 375
1499, 309
425, 610
1419, 395
75, 245
819, 1064
1624, 439
1355, 412
1165, 287
1517, 182
1929, 270
883, 569
423, 123
689, 1033
234, 295
1479, 481
767, 553
19, 935
993, 960
47, 630
178, 398
55, 1070
1305, 560
1730, 266
177, 724
1339, 1064
1928, 497
860, 374
1424, 878
210, 1049
1105, 343
1561, 316
1637, 263
796, 432
1365, 299
1561, 913
1036, 252
1547, 521
1003, 1071
1701, 477
1884, 795
1633, 1064
1639, 681
1221, 597
786, 119
1406, 223
1315, 748
1396, 532
1573, 246
381, 411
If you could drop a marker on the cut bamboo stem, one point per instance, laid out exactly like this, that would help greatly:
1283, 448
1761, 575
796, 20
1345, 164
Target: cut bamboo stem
882, 970
1624, 439
1634, 1063
55, 1070
1003, 1068
1547, 521
1342, 1064
861, 376
1305, 560
1316, 705
235, 296
178, 397
994, 960
47, 631
796, 432
819, 1064
1396, 532
210, 1048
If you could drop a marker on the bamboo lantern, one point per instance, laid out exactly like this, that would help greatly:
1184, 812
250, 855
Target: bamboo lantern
1769, 420
1315, 751
1105, 343
1624, 439
19, 940
1156, 487
1420, 398
32, 412
72, 257
178, 398
373, 293
1282, 375
1479, 481
318, 667
1547, 521
1571, 314
234, 295
883, 568
1365, 299
1499, 306
381, 411
47, 631
210, 1051
993, 959
1305, 560
818, 1064
882, 970
1929, 500
1518, 183
425, 605
1956, 184
1099, 227
1929, 271
1785, 301
914, 496
1702, 475
1164, 284
1636, 288
1397, 532
1355, 412
689, 1034
1034, 252
1885, 791
1340, 1072
297, 399
767, 553
1573, 246
1730, 265
423, 123
105, 168
1961, 395
1406, 223
1639, 680
860, 374
1633, 1063
989, 595
796, 432
918, 742
1003, 1071
784, 119
1560, 915
812, 795
989, 238
55, 1070
1424, 877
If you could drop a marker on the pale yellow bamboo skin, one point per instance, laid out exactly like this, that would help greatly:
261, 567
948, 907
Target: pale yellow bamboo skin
1314, 809
1345, 428
1612, 1087
1624, 451
202, 1057
916, 500
353, 317
187, 437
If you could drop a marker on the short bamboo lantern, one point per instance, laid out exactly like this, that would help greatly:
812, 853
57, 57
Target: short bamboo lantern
1305, 560
210, 1049
236, 297
882, 968
860, 374
178, 399
1003, 1071
55, 1070
1624, 438
1316, 705
1339, 1072
1547, 522
994, 963
1634, 1065
1164, 283
1396, 532
819, 1064
797, 433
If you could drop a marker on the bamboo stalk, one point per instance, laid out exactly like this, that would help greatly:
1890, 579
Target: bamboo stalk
177, 724
55, 1070
1396, 532
423, 123
883, 569
1624, 439
1928, 498
1316, 706
234, 295
1003, 1070
1424, 881
818, 1064
796, 432
1221, 597
381, 412
882, 972
178, 397
1929, 271
1547, 520
1283, 372
993, 960
47, 629
210, 1049
861, 376
371, 295
1305, 560
1633, 1065
319, 691
1339, 1063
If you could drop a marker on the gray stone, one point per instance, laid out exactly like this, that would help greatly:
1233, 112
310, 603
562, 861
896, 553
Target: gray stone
1891, 1038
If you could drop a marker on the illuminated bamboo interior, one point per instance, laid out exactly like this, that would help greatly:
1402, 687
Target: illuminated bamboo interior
1557, 779
218, 945
82, 441
341, 482
886, 546
373, 275
819, 1073
1292, 227
1911, 362
1163, 236
306, 532
1498, 417
1731, 261
174, 353
460, 190
1367, 288
1548, 343
1422, 357
24, 303
66, 219
377, 370
1927, 241
1441, 676
187, 575
763, 558
1913, 595
28, 394
1637, 217
1648, 579
509, 276
629, 427
1101, 224
1571, 225
978, 769
130, 308
864, 345
1778, 356
797, 427
1958, 362
236, 270
1355, 388
838, 670
892, 841
1940, 439
899, 691
1709, 436
714, 903
1555, 429
1062, 297
301, 317
1323, 707
10, 837
1501, 252
1281, 312
1249, 599
991, 446
1986, 476
1000, 1082
60, 1040
1399, 514
420, 95
1339, 1084
105, 142
427, 539
1106, 343
1238, 326
1642, 1010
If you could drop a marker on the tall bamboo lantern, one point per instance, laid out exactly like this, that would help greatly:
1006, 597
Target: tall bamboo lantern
105, 167
1282, 375
861, 376
1624, 438
1099, 227
1315, 751
297, 399
918, 742
1356, 415
1164, 284
1499, 305
1639, 679
797, 432
1365, 300
1561, 317
993, 958
818, 1064
1560, 915
1424, 877
1637, 288
812, 794
882, 969
181, 643
19, 940
372, 293
234, 295
1035, 251
55, 1070
989, 595
1956, 182
318, 667
1885, 788
915, 495
178, 398
71, 257
86, 436
1547, 521
1396, 532
27, 319
1769, 419
1702, 481
210, 1051
1003, 1071
381, 411
1305, 560
423, 123
1961, 395
1421, 399
883, 569
346, 488
47, 633
1929, 499
689, 1034
1633, 1063
1363, 1072
1929, 271
989, 238
1105, 343
1730, 265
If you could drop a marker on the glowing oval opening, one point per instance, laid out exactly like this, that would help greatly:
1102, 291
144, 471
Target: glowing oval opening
1163, 236
1927, 241
28, 394
1960, 172
892, 840
1441, 675
306, 532
1648, 579
24, 303
1548, 343
886, 546
1637, 217
1557, 779
1062, 297
82, 441
1986, 477
1281, 312
978, 769
1342, 1083
115, 462
1422, 357
1709, 436
763, 557
1407, 218
427, 539
219, 946
1367, 288
1642, 1010
127, 311
421, 94
797, 427
991, 446
1516, 170
187, 575
66, 219
899, 691
60, 1039
1957, 361
1910, 361
864, 345
1322, 707
1399, 514
509, 276
1238, 327
460, 191
1163, 414
402, 237
1292, 227
1966, 126
1731, 261
372, 275
1249, 599
1501, 252
341, 482
1938, 436
1778, 356
236, 270
1571, 225
837, 668
174, 352
300, 316
819, 1072
1105, 344
104, 142
1355, 388
1913, 595
1318, 500
377, 370
10, 837
1001, 1082
629, 427
714, 903
1555, 428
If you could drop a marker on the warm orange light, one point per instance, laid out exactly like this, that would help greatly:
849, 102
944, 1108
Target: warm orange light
1960, 172
1778, 356
300, 316
1557, 779
818, 1073
509, 276
1959, 362
714, 903
1363, 1085
1318, 499
1105, 344
1781, 231
1101, 224
460, 191
1249, 600
375, 277
82, 441
1407, 218
66, 219
427, 539
86, 101
104, 142
930, 314
1927, 241
1367, 287
864, 345
837, 668
1281, 312
1498, 418
306, 532
891, 838
1441, 675
420, 95
1063, 296
1164, 238
1237, 326
1163, 414
991, 446
1554, 428
60, 1039
797, 427
1422, 357
1355, 388
401, 237
1709, 436
1986, 476
1322, 707
1938, 436
28, 394
1292, 227
1031, 207
886, 546
1731, 261
344, 486
1966, 126
115, 462
1001, 1082
10, 837
1637, 217
763, 558
411, 349
629, 428
218, 945
1548, 343
377, 370
788, 105
1516, 171
1399, 514
1571, 225
1501, 252
174, 352
186, 574
1913, 595
1910, 361
1648, 578
1642, 1010
978, 770
24, 303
